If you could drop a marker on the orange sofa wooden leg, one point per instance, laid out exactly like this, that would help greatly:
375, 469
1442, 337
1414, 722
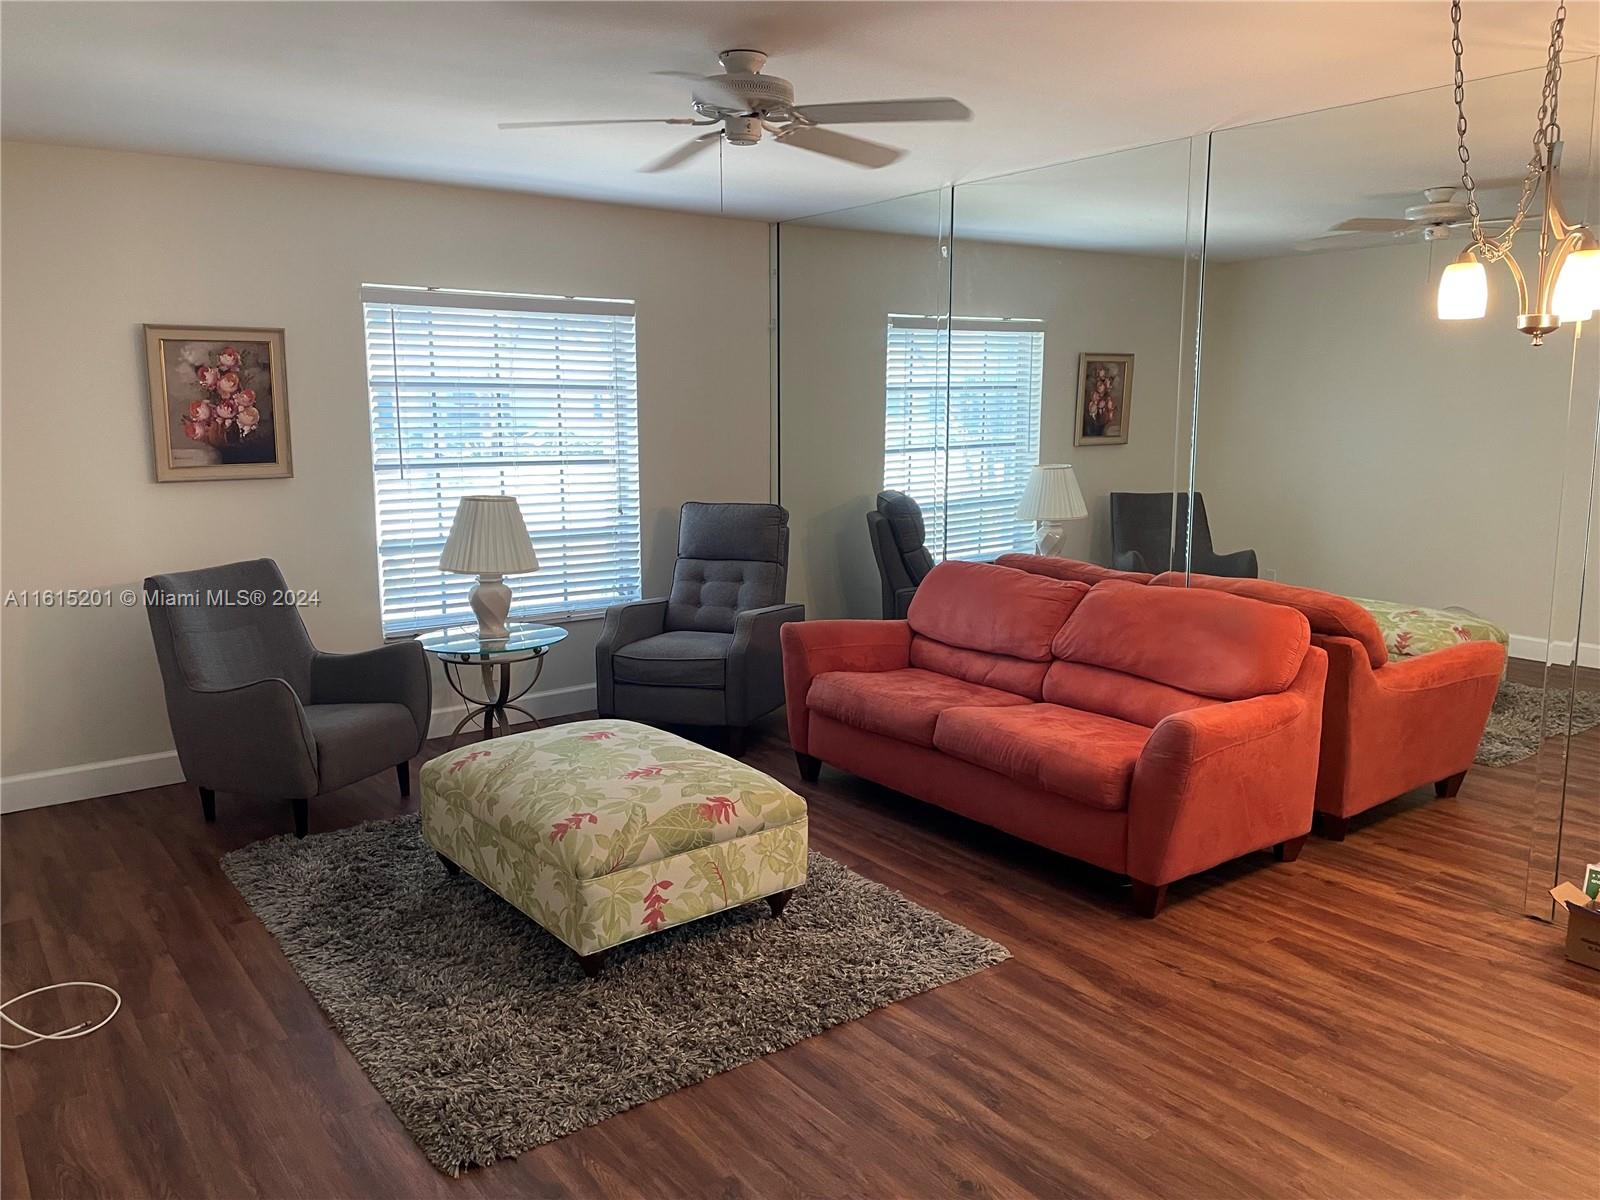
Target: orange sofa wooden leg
1148, 898
1290, 850
1449, 785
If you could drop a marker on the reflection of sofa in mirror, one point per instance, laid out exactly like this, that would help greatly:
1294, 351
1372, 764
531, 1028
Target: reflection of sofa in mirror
1069, 568
1150, 732
899, 545
1389, 724
1392, 721
1142, 536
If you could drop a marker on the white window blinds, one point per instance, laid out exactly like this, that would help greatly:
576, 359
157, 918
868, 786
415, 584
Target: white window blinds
961, 427
533, 397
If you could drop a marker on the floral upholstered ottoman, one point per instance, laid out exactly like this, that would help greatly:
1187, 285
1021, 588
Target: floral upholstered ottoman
605, 831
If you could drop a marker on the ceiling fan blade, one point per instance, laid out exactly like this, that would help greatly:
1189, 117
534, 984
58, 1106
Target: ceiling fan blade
683, 153
1373, 225
932, 108
1349, 241
623, 121
840, 145
708, 89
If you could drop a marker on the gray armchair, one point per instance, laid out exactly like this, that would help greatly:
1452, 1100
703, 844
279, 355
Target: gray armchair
1142, 537
899, 544
708, 653
257, 709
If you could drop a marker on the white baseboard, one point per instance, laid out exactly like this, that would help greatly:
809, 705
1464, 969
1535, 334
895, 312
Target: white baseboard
1559, 652
63, 785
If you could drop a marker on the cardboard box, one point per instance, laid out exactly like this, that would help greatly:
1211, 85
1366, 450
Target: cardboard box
1583, 924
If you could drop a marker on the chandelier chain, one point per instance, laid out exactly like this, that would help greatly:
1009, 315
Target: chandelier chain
1545, 136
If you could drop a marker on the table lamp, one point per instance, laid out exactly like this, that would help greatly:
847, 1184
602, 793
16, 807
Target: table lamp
489, 540
1051, 498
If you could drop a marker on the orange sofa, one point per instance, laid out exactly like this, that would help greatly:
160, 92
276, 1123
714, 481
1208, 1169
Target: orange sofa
1388, 725
1150, 731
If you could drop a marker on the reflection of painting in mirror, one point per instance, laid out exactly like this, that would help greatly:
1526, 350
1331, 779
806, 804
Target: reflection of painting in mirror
1105, 395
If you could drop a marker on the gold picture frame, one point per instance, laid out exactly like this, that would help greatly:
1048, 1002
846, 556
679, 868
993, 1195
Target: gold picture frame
1105, 400
219, 403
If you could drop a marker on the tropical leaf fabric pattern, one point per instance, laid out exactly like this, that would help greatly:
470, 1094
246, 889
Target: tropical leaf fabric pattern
1409, 630
604, 831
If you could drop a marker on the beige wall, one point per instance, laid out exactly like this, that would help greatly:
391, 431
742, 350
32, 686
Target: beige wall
1364, 446
96, 243
836, 289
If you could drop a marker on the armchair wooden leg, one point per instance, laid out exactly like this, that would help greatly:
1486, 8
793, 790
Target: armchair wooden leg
450, 866
1148, 898
403, 770
1449, 785
208, 803
777, 901
591, 963
1290, 850
1332, 827
810, 768
302, 817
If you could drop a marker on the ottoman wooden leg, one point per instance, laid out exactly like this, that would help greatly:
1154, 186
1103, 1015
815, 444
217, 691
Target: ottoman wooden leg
591, 963
1449, 786
1290, 850
777, 900
810, 766
450, 868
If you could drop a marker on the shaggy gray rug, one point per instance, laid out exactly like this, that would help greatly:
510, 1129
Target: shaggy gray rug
1513, 730
486, 1040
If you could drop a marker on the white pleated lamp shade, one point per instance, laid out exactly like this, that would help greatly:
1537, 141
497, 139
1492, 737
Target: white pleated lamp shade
488, 538
1052, 494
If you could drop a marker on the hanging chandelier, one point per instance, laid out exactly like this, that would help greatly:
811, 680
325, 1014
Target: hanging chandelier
1567, 287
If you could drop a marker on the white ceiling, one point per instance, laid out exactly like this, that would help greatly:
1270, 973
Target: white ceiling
413, 90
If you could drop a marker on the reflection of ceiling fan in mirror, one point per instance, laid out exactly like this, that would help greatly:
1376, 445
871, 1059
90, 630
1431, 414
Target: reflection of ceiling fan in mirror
1435, 220
747, 105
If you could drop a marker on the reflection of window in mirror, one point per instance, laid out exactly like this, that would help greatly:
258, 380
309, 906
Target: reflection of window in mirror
964, 462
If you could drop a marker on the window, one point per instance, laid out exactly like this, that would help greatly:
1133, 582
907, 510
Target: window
531, 396
961, 430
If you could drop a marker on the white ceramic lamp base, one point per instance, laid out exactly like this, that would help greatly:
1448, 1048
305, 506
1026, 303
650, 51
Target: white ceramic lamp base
491, 604
1050, 538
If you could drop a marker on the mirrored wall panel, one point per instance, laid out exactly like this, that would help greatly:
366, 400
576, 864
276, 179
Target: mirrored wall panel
863, 364
1436, 472
1071, 299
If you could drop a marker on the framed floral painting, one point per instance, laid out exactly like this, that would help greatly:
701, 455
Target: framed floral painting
218, 405
1105, 399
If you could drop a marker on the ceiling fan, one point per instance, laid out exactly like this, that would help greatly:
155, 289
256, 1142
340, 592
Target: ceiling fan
747, 105
1435, 220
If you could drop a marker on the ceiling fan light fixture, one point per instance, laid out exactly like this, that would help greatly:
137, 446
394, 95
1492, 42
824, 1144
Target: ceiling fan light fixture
1464, 289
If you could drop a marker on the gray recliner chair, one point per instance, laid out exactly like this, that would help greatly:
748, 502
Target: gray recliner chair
899, 544
708, 653
257, 709
1142, 537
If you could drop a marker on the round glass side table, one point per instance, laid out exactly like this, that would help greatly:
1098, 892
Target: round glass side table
460, 648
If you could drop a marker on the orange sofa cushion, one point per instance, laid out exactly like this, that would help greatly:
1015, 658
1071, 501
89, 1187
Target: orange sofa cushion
1069, 568
1085, 757
1205, 642
1019, 675
1330, 615
979, 606
902, 704
1142, 701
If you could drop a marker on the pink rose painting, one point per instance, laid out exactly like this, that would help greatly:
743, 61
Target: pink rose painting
217, 398
1105, 395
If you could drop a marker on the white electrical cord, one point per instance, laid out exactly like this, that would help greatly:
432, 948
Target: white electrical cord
82, 1029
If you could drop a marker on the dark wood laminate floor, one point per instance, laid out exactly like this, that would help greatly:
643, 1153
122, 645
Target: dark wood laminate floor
1372, 1020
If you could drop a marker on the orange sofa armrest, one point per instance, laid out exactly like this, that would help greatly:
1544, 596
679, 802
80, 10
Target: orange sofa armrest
1440, 668
811, 648
1216, 782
